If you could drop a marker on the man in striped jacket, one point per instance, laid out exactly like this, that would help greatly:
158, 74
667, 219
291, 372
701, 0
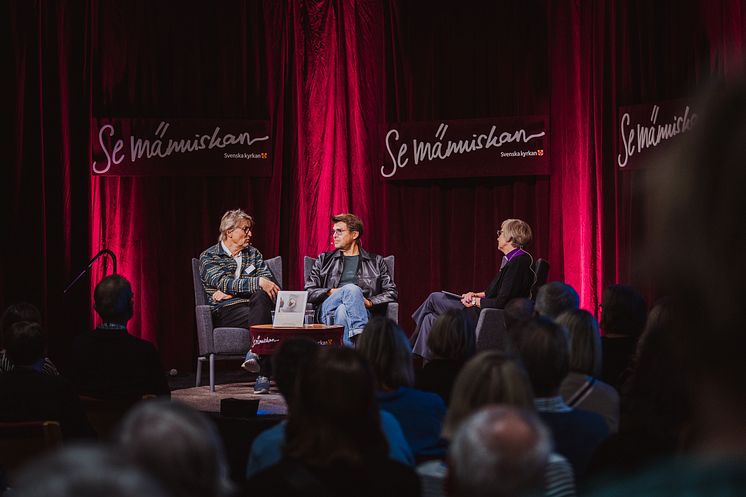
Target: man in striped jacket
239, 285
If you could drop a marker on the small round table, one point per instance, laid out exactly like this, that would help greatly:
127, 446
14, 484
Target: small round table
265, 338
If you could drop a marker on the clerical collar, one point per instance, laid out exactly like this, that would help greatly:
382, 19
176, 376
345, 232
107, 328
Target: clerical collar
514, 253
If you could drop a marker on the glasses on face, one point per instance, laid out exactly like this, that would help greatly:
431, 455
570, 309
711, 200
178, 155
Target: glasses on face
245, 229
499, 232
338, 231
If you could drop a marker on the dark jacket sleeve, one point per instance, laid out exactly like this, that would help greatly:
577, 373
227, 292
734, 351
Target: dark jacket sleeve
156, 377
515, 282
389, 293
314, 284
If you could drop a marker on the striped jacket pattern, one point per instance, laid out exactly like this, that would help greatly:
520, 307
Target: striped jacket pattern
218, 272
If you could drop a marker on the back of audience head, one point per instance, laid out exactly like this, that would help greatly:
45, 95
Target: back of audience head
490, 377
15, 313
545, 353
623, 311
288, 360
387, 349
585, 341
86, 471
333, 417
517, 310
554, 298
178, 445
656, 394
451, 337
698, 198
113, 299
498, 451
25, 343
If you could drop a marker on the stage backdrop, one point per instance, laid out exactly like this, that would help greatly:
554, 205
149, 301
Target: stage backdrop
330, 78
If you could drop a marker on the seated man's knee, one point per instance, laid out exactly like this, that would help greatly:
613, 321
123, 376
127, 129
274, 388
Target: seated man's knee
340, 313
351, 288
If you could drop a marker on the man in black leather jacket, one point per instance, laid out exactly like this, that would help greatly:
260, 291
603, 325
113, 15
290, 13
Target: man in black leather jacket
346, 284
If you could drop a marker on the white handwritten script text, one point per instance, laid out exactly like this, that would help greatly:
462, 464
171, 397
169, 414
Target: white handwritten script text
638, 137
440, 148
159, 146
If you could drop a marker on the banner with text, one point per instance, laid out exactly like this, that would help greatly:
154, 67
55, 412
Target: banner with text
513, 146
174, 147
645, 128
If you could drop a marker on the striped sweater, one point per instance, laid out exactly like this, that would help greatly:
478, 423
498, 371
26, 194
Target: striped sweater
218, 272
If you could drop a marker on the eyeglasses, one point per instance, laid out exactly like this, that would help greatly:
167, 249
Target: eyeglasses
338, 232
245, 229
499, 232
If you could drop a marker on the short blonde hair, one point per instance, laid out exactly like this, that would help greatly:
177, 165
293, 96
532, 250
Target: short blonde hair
230, 220
518, 231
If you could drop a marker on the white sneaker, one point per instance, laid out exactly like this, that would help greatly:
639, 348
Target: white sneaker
251, 364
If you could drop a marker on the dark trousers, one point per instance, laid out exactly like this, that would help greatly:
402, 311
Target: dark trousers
256, 311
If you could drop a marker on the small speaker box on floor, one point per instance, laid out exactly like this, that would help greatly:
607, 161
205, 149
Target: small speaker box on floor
239, 408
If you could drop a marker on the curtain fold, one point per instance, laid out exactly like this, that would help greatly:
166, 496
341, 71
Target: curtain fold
330, 76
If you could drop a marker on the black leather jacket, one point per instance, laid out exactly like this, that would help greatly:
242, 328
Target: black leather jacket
373, 277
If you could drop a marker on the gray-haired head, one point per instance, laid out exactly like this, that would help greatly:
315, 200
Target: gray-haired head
86, 471
230, 221
500, 451
178, 444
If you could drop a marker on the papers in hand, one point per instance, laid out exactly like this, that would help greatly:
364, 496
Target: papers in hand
451, 294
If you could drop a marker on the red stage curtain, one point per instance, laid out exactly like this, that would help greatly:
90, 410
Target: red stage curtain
329, 76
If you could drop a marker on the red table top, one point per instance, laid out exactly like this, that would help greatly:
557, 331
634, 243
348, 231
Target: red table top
265, 338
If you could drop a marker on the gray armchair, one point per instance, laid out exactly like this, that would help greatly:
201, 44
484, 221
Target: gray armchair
224, 342
392, 308
490, 332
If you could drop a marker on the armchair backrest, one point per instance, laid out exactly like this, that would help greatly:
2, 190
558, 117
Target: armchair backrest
200, 298
275, 267
541, 270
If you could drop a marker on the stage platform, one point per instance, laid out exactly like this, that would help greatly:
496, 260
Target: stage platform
229, 384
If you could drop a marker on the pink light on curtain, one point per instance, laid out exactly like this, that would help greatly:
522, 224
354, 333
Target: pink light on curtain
576, 56
341, 102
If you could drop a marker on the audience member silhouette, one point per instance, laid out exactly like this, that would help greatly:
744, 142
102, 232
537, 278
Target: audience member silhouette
178, 445
419, 413
334, 443
499, 451
655, 413
22, 311
87, 471
516, 311
109, 362
623, 313
581, 388
544, 350
451, 344
28, 395
493, 377
697, 202
287, 362
554, 298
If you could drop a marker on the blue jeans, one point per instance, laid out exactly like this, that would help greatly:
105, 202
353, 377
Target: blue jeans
347, 306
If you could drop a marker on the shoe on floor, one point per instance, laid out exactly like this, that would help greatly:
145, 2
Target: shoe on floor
261, 385
251, 364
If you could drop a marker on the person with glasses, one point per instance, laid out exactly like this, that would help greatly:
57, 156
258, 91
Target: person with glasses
513, 280
239, 285
348, 284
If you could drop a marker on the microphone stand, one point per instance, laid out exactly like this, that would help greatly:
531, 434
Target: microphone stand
90, 263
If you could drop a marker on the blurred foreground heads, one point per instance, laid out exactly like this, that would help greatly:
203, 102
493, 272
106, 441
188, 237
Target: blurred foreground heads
499, 451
